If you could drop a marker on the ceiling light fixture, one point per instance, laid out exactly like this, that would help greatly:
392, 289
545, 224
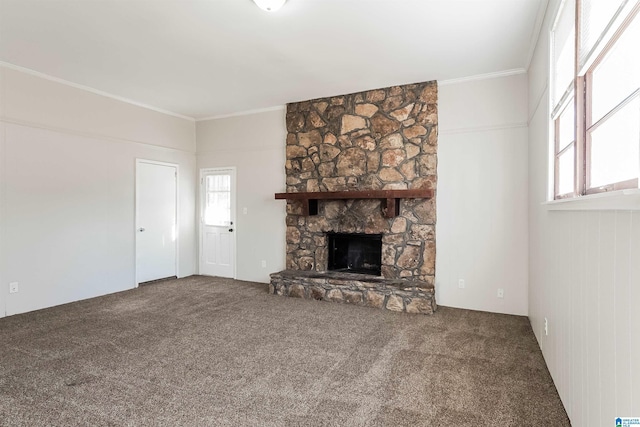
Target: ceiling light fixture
269, 5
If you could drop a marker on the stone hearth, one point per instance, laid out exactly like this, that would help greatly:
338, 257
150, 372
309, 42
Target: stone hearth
383, 139
410, 296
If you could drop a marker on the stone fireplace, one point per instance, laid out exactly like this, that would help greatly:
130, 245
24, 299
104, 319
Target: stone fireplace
378, 140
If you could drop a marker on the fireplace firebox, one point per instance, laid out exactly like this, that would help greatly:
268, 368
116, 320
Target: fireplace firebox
355, 253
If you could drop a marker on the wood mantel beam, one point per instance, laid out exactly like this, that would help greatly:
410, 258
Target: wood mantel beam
416, 193
390, 198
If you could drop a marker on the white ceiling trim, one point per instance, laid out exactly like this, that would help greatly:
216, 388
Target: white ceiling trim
174, 54
497, 74
533, 42
477, 77
505, 73
243, 113
92, 90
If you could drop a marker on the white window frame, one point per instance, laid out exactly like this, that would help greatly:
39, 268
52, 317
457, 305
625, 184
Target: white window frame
581, 93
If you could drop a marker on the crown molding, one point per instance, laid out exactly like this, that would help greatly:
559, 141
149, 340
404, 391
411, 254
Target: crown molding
486, 76
91, 90
537, 28
242, 113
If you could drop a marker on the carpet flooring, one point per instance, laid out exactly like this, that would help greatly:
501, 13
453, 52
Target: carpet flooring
205, 351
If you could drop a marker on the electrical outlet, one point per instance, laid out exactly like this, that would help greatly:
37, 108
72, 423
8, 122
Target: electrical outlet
461, 283
500, 293
13, 287
264, 264
546, 326
244, 211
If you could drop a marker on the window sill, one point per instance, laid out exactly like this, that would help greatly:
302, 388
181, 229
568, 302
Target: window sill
621, 200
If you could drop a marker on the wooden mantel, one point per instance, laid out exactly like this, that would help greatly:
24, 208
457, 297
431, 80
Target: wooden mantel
390, 198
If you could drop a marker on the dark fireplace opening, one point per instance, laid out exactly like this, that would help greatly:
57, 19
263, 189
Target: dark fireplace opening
355, 253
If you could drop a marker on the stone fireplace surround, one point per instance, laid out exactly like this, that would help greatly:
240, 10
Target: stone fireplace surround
383, 139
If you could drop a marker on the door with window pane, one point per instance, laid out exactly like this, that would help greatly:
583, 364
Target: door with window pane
217, 235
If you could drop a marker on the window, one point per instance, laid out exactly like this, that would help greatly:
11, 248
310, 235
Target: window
613, 117
566, 150
562, 97
595, 96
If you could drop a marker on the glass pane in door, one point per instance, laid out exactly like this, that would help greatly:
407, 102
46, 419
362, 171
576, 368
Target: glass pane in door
218, 200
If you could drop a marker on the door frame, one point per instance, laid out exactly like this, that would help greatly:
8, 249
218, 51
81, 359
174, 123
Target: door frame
201, 197
135, 221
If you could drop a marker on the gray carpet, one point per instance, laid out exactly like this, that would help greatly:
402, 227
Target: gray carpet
203, 351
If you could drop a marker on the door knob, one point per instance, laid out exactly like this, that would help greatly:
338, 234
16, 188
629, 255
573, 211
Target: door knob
141, 229
231, 229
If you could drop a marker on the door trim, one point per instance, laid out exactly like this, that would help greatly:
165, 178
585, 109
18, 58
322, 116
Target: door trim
203, 172
135, 221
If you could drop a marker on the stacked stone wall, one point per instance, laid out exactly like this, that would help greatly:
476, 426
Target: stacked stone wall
379, 139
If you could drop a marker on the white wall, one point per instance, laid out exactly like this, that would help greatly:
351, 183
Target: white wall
585, 279
482, 191
482, 234
67, 174
67, 195
255, 145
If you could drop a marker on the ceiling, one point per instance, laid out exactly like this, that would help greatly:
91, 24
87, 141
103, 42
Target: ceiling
204, 58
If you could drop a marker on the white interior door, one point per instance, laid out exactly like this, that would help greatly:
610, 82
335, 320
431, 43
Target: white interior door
156, 220
217, 227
